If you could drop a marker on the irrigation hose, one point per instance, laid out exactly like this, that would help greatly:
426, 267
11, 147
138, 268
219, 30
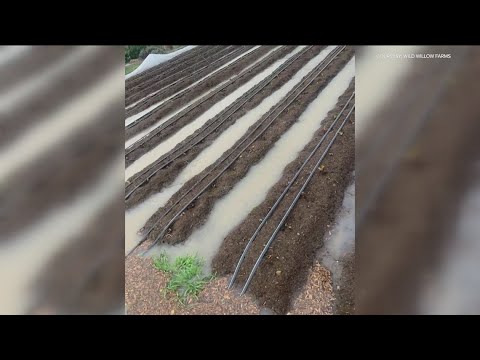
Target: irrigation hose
246, 147
292, 205
235, 108
282, 195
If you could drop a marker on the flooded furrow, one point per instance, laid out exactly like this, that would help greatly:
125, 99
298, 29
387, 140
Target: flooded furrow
136, 218
138, 136
338, 253
189, 129
340, 241
175, 97
154, 106
249, 192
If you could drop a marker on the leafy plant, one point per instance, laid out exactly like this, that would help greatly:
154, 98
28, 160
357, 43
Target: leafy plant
161, 263
186, 275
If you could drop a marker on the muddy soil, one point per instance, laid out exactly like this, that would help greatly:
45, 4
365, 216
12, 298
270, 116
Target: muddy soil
401, 238
165, 66
189, 94
186, 80
148, 97
68, 86
198, 212
178, 72
337, 254
51, 180
168, 174
174, 68
285, 267
195, 110
345, 293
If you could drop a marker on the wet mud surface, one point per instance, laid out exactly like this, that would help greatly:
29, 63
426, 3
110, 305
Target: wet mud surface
189, 94
165, 176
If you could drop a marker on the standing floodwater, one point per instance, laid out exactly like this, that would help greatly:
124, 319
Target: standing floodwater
138, 216
252, 189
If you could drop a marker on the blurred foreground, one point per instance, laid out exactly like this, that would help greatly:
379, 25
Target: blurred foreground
418, 180
61, 180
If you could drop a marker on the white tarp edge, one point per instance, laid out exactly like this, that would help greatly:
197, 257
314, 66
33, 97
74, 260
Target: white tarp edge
156, 59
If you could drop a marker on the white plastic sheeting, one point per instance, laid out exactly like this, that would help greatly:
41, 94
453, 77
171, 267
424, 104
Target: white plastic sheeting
156, 59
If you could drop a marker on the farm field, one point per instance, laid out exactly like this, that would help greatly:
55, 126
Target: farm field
242, 156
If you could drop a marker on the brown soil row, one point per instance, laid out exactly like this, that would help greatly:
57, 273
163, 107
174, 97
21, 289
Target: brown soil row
401, 240
191, 93
165, 66
171, 67
180, 71
195, 110
285, 267
199, 210
168, 174
69, 85
186, 79
345, 295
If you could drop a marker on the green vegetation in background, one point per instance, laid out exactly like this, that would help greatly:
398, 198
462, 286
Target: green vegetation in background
130, 67
142, 51
186, 275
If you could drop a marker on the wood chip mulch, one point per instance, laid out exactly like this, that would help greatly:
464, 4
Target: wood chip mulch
144, 295
317, 296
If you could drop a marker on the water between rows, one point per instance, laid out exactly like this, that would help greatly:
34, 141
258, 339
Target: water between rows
135, 218
167, 145
132, 118
249, 192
